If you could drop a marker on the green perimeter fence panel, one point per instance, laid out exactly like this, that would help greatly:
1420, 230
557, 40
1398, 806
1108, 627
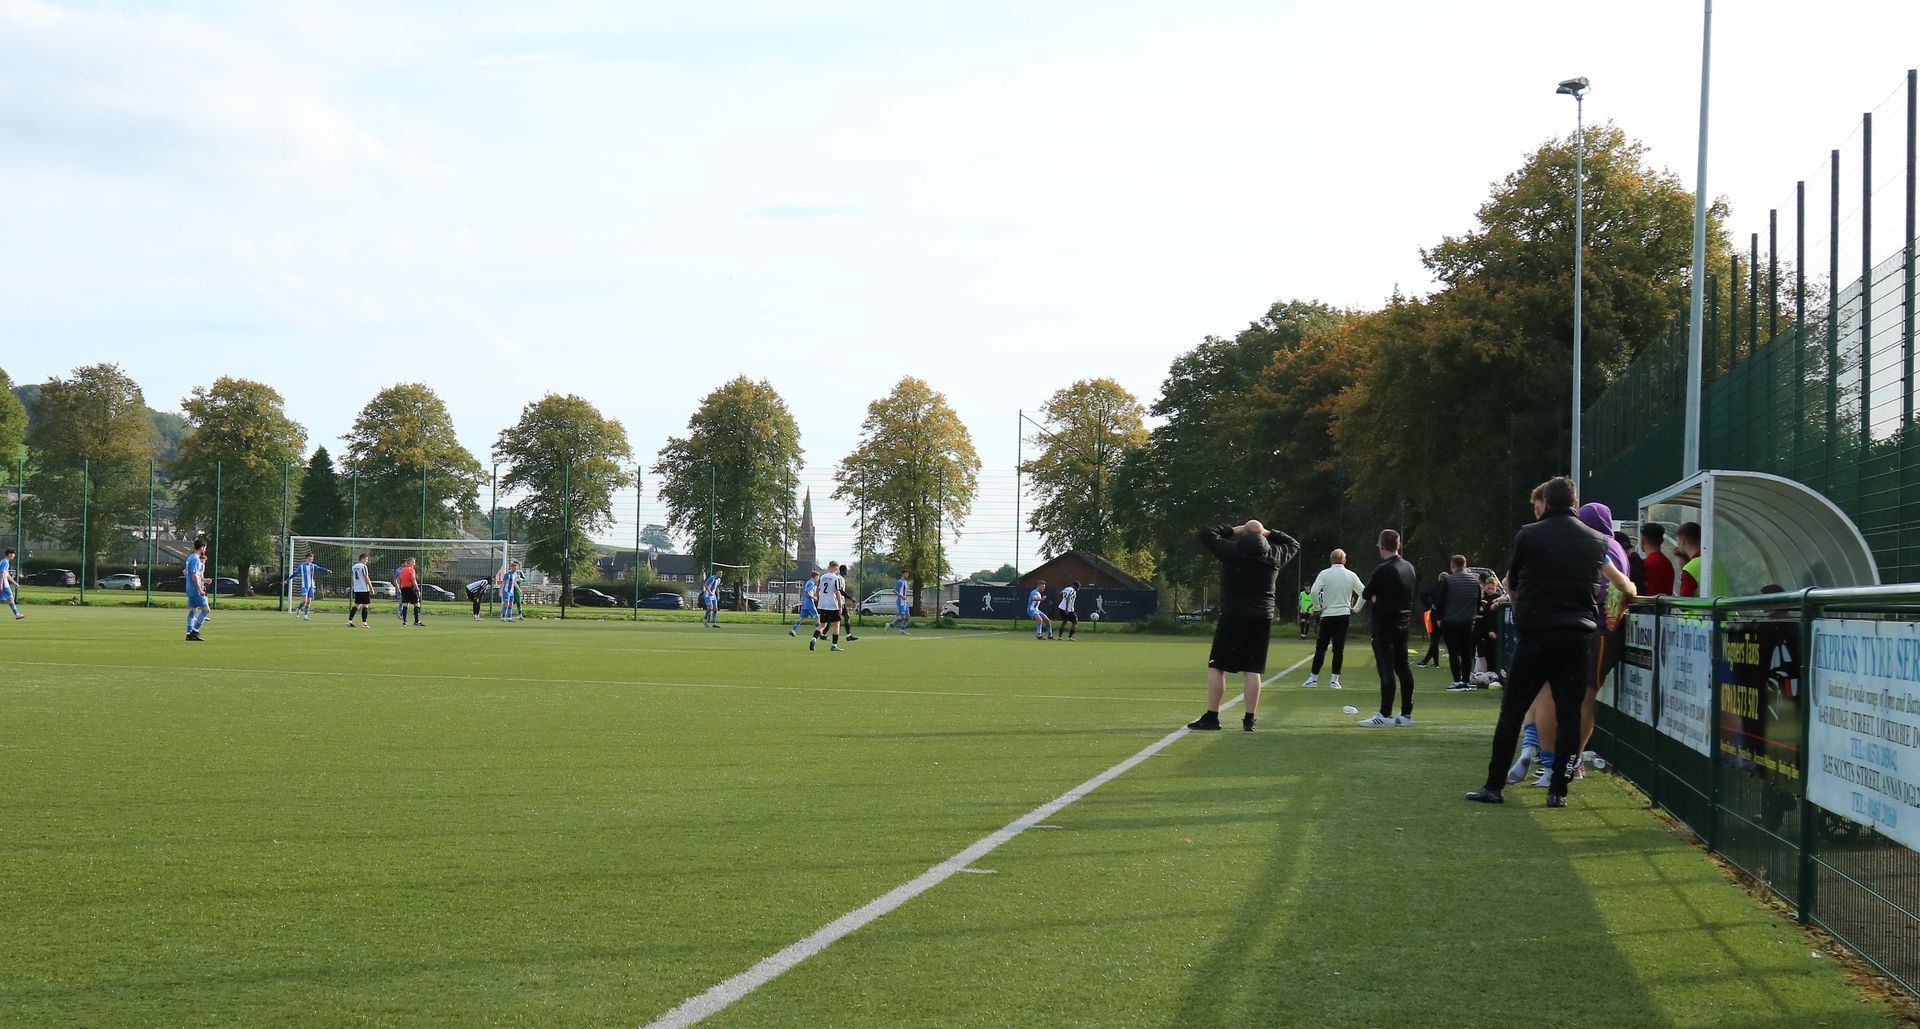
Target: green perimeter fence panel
1784, 730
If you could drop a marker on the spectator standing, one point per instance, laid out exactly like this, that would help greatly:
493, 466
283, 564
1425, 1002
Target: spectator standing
1336, 591
1389, 594
1250, 561
1430, 600
1557, 564
1460, 604
1659, 570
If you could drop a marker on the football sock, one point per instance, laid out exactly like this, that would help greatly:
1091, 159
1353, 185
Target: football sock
1530, 736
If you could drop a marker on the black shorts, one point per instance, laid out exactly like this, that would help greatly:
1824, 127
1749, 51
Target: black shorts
1070, 618
830, 616
362, 599
1240, 645
409, 594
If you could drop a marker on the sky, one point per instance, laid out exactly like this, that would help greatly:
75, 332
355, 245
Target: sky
635, 202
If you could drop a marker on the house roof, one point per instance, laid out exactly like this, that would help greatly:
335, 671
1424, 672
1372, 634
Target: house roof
674, 564
1123, 578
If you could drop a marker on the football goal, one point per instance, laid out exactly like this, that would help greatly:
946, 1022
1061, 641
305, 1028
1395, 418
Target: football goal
445, 566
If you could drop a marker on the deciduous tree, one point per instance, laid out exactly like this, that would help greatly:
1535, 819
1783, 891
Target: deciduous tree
729, 483
568, 459
240, 443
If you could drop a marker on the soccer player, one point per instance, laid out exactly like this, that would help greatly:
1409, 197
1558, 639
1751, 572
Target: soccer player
408, 579
306, 574
829, 605
1068, 597
1036, 601
477, 592
510, 592
711, 599
362, 586
900, 604
6, 585
809, 595
400, 609
196, 581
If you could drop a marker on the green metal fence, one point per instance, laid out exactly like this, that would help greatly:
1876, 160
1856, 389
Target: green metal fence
1752, 721
1809, 362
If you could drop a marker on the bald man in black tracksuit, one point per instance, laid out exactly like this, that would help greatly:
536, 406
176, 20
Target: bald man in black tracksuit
1250, 560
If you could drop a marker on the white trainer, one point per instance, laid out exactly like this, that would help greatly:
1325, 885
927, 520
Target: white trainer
1312, 681
1403, 719
1546, 777
1335, 684
1378, 721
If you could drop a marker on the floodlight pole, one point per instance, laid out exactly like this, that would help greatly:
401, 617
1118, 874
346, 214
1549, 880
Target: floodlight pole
214, 597
1577, 88
1690, 452
148, 578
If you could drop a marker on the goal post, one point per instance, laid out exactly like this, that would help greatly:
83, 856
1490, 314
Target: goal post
445, 565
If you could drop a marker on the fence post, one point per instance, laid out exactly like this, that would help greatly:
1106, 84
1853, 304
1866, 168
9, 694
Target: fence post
1833, 311
1866, 281
638, 491
1655, 773
214, 596
286, 542
1906, 336
147, 579
1810, 816
1716, 647
566, 533
1799, 320
86, 512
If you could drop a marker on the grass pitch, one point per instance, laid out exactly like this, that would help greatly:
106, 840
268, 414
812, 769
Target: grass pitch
586, 823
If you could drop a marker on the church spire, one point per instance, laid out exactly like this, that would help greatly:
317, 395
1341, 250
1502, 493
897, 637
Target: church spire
809, 555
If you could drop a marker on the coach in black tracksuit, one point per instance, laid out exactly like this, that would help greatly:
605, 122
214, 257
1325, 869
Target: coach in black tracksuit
1250, 561
1389, 597
1557, 564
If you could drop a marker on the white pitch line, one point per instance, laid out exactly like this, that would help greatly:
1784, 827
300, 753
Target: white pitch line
280, 672
729, 991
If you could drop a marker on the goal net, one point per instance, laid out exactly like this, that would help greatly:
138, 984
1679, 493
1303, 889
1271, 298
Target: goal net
445, 567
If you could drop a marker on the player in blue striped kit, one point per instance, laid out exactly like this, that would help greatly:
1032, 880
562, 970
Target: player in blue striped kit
306, 579
198, 606
809, 608
6, 585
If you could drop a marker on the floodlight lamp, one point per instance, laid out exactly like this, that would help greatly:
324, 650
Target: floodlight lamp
1573, 87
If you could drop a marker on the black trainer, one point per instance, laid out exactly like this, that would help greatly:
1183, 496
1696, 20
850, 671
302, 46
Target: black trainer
1247, 722
1210, 720
1556, 800
851, 637
1487, 796
194, 637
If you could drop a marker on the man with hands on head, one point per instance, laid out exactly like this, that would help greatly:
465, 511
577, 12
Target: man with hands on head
1251, 557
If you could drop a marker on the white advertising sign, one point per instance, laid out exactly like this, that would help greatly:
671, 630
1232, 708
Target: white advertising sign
1863, 761
1686, 680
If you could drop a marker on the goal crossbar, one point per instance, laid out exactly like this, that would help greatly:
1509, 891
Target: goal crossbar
498, 552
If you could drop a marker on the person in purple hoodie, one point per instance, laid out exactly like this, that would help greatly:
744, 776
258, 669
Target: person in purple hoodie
1610, 636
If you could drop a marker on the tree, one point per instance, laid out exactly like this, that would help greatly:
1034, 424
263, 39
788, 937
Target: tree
1094, 423
1003, 574
913, 475
320, 509
231, 475
1289, 421
415, 479
729, 484
655, 537
1201, 466
1461, 401
13, 429
96, 422
569, 459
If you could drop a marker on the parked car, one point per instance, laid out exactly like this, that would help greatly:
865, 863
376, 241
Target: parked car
225, 586
665, 602
51, 577
120, 581
383, 588
428, 591
587, 596
881, 603
729, 601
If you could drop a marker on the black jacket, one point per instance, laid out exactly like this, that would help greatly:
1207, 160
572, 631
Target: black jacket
1556, 565
1462, 597
1389, 593
1248, 567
